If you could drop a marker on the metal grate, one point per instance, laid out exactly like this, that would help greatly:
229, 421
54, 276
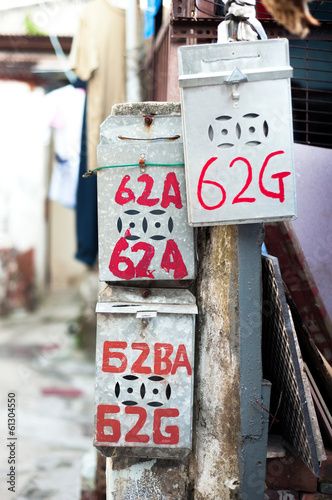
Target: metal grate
281, 367
312, 91
320, 9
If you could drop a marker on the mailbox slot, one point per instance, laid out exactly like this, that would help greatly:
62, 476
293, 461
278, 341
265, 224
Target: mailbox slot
144, 373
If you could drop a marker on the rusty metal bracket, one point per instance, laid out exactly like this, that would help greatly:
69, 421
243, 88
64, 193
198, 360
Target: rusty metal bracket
206, 28
203, 28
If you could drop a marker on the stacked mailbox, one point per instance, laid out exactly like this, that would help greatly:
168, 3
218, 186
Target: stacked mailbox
145, 316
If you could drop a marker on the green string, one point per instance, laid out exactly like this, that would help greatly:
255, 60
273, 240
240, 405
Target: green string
91, 172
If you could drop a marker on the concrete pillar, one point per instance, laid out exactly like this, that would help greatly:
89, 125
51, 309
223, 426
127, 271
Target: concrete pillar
231, 427
217, 410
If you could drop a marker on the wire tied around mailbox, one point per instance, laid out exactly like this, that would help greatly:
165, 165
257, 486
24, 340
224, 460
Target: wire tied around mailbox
242, 19
240, 22
89, 173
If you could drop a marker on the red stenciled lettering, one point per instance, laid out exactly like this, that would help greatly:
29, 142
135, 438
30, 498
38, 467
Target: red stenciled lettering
144, 198
137, 365
141, 270
172, 259
181, 359
160, 358
167, 198
124, 194
132, 436
107, 355
280, 176
238, 198
172, 430
201, 181
103, 422
116, 260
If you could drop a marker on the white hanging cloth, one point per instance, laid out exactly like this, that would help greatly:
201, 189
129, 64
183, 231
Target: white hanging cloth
240, 22
63, 110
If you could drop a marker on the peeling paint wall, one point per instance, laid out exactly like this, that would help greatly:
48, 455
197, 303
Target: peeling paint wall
133, 479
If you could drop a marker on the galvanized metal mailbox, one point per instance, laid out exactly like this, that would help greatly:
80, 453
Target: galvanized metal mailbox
143, 229
238, 136
144, 372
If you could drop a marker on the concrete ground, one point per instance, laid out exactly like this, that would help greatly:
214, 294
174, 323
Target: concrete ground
53, 383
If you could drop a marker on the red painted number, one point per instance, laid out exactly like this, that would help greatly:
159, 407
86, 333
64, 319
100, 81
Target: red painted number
171, 192
124, 194
137, 365
239, 198
132, 436
280, 176
162, 363
171, 183
172, 431
144, 198
171, 260
162, 353
112, 423
201, 181
107, 355
141, 270
116, 259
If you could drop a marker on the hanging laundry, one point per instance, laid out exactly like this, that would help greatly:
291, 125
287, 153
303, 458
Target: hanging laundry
149, 17
86, 209
64, 114
98, 57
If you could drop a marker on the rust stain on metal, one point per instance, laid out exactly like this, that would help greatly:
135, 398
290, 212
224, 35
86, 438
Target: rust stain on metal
267, 411
148, 120
141, 162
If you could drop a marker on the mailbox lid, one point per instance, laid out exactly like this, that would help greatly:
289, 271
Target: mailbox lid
146, 297
211, 64
144, 372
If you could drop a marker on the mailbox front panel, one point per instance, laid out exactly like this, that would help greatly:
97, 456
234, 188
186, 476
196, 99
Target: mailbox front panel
239, 136
144, 384
148, 237
142, 210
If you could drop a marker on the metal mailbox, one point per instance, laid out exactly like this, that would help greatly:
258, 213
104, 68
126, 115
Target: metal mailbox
144, 372
238, 136
142, 216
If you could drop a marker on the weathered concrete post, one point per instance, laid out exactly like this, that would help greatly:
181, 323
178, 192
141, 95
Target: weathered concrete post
231, 432
218, 419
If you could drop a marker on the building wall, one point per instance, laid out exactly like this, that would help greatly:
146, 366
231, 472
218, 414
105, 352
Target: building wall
22, 170
44, 240
65, 270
